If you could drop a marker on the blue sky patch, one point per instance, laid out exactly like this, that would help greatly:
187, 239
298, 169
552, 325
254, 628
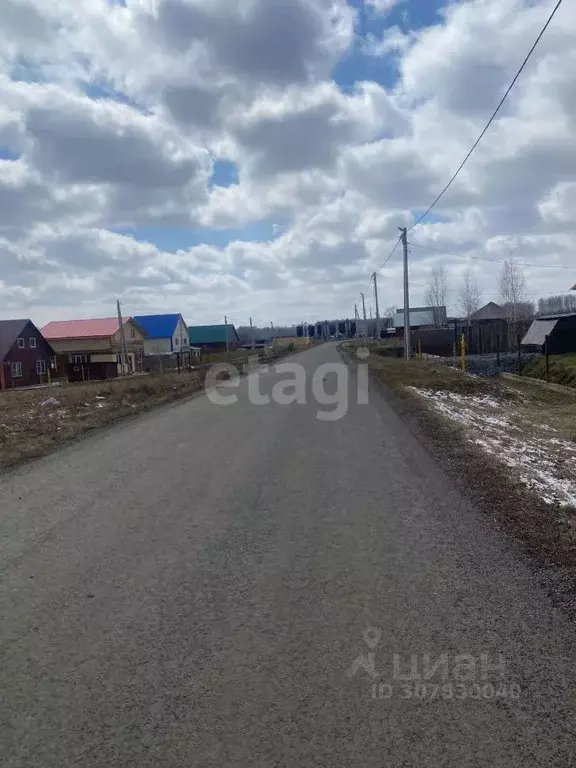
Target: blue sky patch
7, 154
172, 239
225, 174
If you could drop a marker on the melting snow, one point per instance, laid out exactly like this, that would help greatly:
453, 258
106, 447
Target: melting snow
544, 463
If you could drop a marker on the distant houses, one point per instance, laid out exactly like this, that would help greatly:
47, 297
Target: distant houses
26, 357
92, 349
213, 338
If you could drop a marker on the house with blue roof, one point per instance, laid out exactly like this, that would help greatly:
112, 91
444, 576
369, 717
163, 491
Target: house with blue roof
166, 334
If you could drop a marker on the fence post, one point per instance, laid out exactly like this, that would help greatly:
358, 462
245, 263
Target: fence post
463, 351
519, 356
498, 351
547, 353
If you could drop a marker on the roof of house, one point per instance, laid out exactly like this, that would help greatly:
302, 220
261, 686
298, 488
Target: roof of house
490, 311
557, 316
211, 334
536, 334
158, 326
10, 330
81, 329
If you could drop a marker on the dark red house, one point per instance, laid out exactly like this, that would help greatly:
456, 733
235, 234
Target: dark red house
25, 355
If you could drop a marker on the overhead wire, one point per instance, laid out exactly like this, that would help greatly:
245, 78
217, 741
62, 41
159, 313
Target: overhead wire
485, 258
492, 118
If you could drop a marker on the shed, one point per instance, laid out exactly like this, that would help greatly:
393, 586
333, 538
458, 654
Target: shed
560, 330
487, 329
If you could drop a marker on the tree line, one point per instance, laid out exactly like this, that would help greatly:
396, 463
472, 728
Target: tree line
512, 295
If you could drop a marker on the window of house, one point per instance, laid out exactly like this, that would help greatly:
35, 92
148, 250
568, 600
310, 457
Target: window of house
78, 359
21, 343
176, 341
16, 368
132, 333
40, 366
32, 342
184, 342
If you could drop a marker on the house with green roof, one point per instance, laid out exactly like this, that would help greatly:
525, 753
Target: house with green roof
212, 338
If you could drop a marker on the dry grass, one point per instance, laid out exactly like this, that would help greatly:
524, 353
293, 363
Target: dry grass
37, 421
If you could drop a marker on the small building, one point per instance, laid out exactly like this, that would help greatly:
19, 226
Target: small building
212, 338
421, 317
560, 331
488, 329
26, 358
92, 349
165, 334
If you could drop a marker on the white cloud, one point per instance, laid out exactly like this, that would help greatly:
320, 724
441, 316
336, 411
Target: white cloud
111, 117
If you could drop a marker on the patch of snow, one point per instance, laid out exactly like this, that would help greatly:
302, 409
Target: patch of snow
543, 463
50, 401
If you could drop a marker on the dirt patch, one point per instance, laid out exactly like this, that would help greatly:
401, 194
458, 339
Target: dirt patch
36, 422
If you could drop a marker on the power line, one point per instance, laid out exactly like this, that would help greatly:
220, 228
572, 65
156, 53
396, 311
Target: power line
387, 259
492, 118
492, 261
390, 254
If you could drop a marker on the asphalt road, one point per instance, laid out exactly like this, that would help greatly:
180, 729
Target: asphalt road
194, 587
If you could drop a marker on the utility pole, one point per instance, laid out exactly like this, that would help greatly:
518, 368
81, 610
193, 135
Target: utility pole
124, 353
226, 331
363, 306
404, 238
375, 277
252, 333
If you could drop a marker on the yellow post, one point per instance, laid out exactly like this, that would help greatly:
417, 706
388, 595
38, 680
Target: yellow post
463, 351
419, 349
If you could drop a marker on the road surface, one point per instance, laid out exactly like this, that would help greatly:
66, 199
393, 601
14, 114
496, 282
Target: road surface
204, 585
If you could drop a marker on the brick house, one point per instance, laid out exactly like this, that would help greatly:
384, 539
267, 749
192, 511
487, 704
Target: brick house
26, 356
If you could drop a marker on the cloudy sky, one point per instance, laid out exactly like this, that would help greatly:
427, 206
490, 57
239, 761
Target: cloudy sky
256, 157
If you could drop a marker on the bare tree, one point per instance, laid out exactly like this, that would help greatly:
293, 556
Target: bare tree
436, 294
560, 304
470, 294
512, 287
389, 313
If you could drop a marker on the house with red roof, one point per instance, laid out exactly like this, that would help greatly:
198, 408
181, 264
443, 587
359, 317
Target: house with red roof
92, 349
26, 358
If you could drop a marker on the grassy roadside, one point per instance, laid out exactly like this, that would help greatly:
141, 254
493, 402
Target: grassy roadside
545, 530
562, 369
